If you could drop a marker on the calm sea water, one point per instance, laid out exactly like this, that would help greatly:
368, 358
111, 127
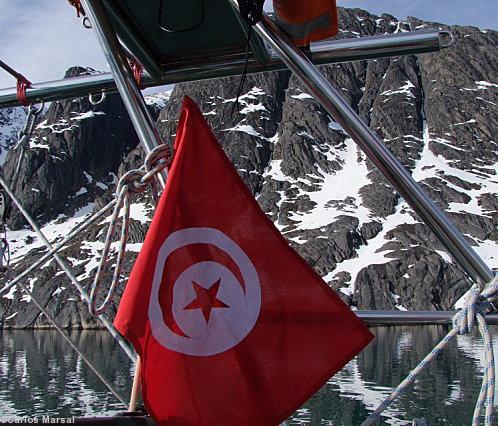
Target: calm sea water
41, 375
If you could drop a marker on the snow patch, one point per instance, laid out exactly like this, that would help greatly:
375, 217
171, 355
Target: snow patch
159, 99
405, 90
85, 115
302, 96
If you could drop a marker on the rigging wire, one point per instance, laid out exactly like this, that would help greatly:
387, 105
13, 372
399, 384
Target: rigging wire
65, 268
10, 70
72, 234
71, 343
251, 12
244, 73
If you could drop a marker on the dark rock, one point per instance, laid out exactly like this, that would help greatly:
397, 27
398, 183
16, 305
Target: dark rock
370, 229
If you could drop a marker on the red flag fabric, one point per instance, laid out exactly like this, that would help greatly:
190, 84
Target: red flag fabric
232, 326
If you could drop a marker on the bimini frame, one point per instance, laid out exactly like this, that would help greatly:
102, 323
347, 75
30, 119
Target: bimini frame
324, 52
285, 53
329, 97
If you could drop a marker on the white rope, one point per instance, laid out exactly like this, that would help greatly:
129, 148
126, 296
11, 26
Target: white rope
134, 181
478, 303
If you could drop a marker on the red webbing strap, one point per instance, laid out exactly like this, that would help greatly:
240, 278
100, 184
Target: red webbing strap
22, 84
79, 8
137, 69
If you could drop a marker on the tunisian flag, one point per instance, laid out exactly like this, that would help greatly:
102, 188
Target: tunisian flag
232, 326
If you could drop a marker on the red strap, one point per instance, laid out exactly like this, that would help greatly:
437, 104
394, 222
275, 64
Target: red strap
22, 84
77, 5
137, 68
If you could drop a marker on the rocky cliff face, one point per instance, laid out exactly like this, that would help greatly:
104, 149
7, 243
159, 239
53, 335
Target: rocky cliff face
72, 156
436, 112
11, 120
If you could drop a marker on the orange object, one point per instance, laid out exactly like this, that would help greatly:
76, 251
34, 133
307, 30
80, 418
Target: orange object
307, 21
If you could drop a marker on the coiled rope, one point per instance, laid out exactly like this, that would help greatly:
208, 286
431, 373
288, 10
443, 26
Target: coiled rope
134, 181
478, 303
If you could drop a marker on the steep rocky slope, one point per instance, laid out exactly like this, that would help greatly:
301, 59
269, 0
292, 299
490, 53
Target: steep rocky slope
11, 120
436, 112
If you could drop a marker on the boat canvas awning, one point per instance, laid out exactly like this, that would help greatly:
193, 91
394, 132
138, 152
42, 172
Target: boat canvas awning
163, 33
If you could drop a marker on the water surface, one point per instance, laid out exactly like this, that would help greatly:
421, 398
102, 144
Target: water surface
41, 375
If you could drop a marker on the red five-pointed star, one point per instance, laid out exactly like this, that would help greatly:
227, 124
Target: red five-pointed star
206, 299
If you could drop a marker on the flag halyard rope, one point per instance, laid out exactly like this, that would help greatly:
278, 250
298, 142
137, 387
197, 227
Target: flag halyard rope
134, 181
478, 303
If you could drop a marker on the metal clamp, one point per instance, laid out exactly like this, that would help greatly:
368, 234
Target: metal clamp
99, 101
450, 39
86, 23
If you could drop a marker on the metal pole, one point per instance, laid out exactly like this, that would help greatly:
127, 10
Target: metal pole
371, 145
325, 52
135, 388
130, 93
123, 76
413, 317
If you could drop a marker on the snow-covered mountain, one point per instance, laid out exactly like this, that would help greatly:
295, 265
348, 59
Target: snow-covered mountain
329, 202
11, 122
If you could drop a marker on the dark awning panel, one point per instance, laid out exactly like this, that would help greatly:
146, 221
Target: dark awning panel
162, 32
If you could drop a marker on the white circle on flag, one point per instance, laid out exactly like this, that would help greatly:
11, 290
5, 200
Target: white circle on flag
212, 308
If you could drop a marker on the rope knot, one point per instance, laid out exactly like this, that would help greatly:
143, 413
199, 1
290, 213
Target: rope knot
137, 69
158, 159
478, 303
77, 5
22, 84
132, 181
475, 304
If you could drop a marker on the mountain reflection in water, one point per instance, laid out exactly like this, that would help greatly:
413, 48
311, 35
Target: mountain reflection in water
41, 375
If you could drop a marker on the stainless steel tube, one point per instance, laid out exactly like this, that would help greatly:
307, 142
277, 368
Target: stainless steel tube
325, 52
413, 317
371, 145
122, 74
408, 43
